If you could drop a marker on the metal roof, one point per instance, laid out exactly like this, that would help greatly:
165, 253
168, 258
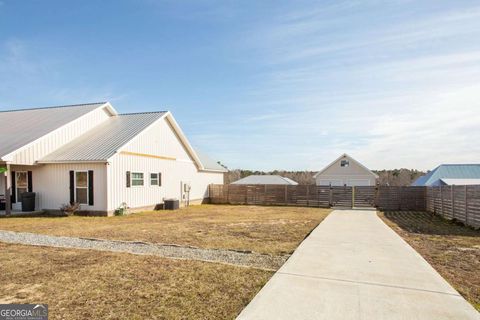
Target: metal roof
460, 182
449, 171
103, 141
265, 179
208, 163
21, 127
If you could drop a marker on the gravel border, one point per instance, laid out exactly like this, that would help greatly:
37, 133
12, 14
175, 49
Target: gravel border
231, 257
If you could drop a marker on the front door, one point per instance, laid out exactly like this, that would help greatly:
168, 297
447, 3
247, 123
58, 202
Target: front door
21, 186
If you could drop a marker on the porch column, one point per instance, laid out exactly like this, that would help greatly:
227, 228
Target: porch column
8, 191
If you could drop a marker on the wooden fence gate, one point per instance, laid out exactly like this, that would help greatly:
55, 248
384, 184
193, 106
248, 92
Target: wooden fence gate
299, 195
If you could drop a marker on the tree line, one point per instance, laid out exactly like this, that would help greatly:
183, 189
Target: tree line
395, 177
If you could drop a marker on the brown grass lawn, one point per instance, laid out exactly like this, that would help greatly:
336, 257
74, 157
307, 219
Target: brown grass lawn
84, 284
271, 230
453, 250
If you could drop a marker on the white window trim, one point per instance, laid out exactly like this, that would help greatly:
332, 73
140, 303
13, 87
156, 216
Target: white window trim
17, 196
131, 179
75, 185
157, 178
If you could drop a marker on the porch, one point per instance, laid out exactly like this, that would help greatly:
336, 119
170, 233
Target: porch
14, 181
19, 213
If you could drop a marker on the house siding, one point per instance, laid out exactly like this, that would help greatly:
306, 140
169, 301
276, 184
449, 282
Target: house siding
158, 140
354, 174
54, 140
51, 183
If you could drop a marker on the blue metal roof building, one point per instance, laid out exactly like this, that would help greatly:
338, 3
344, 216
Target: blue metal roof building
447, 173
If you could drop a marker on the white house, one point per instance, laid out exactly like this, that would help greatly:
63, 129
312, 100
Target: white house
345, 171
92, 155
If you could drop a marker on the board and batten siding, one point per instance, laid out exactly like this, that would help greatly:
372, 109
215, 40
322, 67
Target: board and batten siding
176, 166
353, 175
56, 139
51, 183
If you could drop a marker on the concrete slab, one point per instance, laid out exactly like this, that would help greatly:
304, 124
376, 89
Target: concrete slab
353, 266
16, 213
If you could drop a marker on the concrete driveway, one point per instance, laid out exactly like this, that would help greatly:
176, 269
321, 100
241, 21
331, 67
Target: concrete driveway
353, 266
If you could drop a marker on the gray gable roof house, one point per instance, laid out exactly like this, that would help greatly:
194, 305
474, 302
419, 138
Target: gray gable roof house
266, 179
92, 155
450, 174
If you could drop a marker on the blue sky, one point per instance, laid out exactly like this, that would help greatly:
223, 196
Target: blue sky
263, 84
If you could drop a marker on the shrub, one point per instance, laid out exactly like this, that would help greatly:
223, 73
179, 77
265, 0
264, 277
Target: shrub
122, 210
70, 209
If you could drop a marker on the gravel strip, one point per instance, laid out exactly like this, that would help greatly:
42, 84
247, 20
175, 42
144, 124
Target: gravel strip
254, 260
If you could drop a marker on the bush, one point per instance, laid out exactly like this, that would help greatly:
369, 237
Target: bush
122, 210
70, 209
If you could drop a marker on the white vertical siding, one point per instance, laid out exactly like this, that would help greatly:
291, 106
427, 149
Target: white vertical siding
353, 175
158, 140
60, 137
51, 183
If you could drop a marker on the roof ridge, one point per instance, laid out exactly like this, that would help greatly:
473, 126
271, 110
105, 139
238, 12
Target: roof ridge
147, 112
55, 107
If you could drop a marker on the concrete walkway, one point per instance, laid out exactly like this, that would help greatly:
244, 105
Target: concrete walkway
353, 266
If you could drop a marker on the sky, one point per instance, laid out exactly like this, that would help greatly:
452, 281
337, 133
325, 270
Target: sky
263, 85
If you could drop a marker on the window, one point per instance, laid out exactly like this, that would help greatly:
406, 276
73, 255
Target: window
81, 187
344, 163
154, 179
137, 179
21, 184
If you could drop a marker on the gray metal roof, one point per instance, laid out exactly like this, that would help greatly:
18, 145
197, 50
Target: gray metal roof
101, 143
21, 127
449, 171
265, 179
208, 163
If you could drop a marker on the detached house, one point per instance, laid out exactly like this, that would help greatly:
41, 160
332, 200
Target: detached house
345, 171
94, 156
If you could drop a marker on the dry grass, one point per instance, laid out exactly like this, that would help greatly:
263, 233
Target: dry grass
453, 250
84, 284
271, 230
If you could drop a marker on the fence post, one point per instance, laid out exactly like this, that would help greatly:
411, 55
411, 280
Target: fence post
353, 197
452, 197
286, 194
265, 194
308, 195
466, 205
318, 196
425, 197
246, 194
441, 201
330, 196
228, 194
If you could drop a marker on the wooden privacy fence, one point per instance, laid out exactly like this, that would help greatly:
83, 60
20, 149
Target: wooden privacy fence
383, 197
461, 203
